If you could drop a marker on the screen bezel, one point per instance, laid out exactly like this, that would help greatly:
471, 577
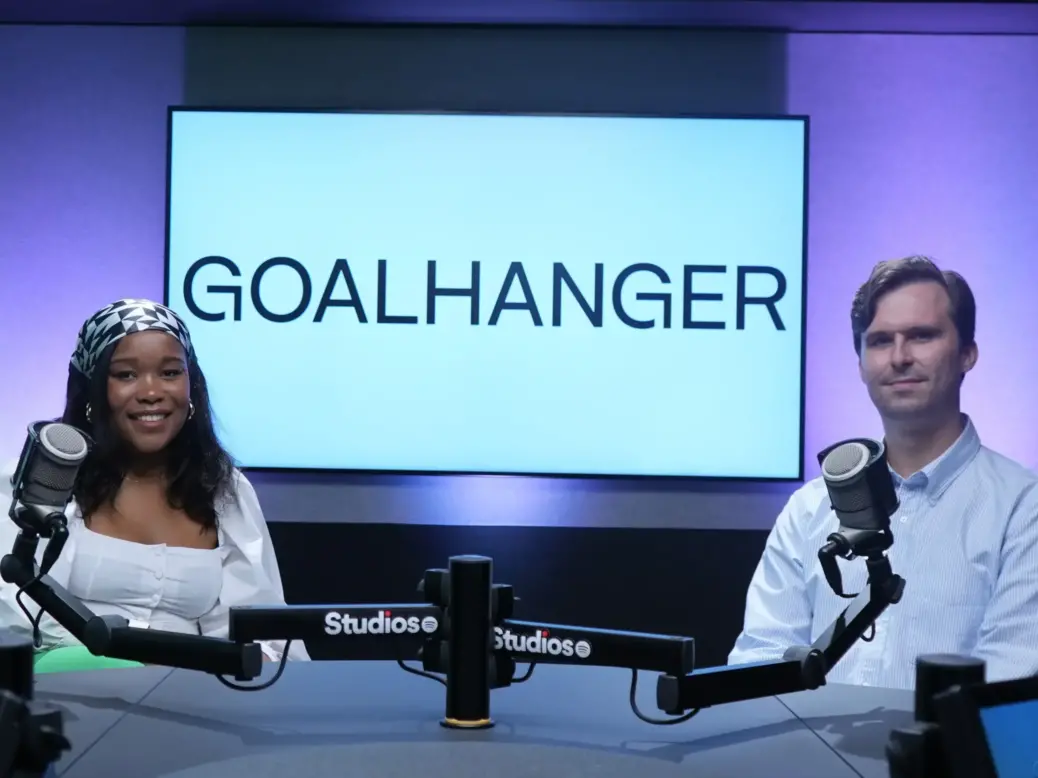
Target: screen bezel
962, 729
802, 119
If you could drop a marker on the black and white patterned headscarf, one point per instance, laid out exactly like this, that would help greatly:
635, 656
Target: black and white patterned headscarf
122, 318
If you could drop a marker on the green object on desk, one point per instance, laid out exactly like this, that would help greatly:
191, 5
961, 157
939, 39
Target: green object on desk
70, 659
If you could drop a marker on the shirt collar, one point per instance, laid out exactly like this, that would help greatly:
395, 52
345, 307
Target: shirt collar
937, 476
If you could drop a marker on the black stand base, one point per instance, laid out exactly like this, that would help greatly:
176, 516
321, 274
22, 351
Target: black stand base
34, 738
457, 724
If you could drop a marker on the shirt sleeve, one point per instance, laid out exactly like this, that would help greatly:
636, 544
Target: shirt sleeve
1008, 636
250, 569
778, 607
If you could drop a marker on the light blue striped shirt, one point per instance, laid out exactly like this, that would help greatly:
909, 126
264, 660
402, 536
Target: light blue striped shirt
966, 542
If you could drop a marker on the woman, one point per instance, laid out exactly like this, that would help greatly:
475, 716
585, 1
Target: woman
163, 529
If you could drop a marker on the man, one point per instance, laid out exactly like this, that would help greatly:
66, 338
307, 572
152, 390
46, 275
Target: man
966, 530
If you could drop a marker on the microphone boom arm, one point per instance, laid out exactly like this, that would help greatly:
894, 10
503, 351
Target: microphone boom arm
594, 647
297, 622
803, 668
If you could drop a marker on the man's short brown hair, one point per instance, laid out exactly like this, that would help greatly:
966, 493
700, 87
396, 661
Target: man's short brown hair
893, 274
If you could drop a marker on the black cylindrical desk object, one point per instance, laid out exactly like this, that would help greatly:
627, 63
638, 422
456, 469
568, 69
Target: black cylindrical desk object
935, 673
469, 636
16, 660
917, 750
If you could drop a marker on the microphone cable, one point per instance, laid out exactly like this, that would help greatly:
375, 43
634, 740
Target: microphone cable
649, 719
266, 684
421, 673
529, 672
37, 637
49, 558
442, 680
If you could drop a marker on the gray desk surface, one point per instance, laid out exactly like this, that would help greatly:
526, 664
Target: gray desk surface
320, 715
94, 702
855, 721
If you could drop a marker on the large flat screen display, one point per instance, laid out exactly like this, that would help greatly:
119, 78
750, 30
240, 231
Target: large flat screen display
576, 295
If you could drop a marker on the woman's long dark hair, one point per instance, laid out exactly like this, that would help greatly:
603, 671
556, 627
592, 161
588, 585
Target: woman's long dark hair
199, 471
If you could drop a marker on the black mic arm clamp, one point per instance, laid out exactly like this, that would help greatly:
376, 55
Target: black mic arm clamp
435, 586
852, 544
802, 668
33, 525
34, 521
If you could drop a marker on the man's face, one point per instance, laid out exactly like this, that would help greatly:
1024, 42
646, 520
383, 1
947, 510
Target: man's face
911, 359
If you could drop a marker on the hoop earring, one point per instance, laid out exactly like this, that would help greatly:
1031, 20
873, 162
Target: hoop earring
190, 409
89, 413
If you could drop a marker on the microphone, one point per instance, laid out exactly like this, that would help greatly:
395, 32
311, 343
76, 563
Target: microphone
862, 495
860, 487
43, 481
48, 465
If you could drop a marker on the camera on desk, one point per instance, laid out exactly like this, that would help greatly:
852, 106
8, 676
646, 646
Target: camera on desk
965, 727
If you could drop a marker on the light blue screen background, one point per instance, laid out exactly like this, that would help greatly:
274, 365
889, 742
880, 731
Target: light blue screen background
1012, 732
497, 189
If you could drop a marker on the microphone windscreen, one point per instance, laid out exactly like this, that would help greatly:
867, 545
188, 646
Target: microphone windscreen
49, 475
845, 461
861, 489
